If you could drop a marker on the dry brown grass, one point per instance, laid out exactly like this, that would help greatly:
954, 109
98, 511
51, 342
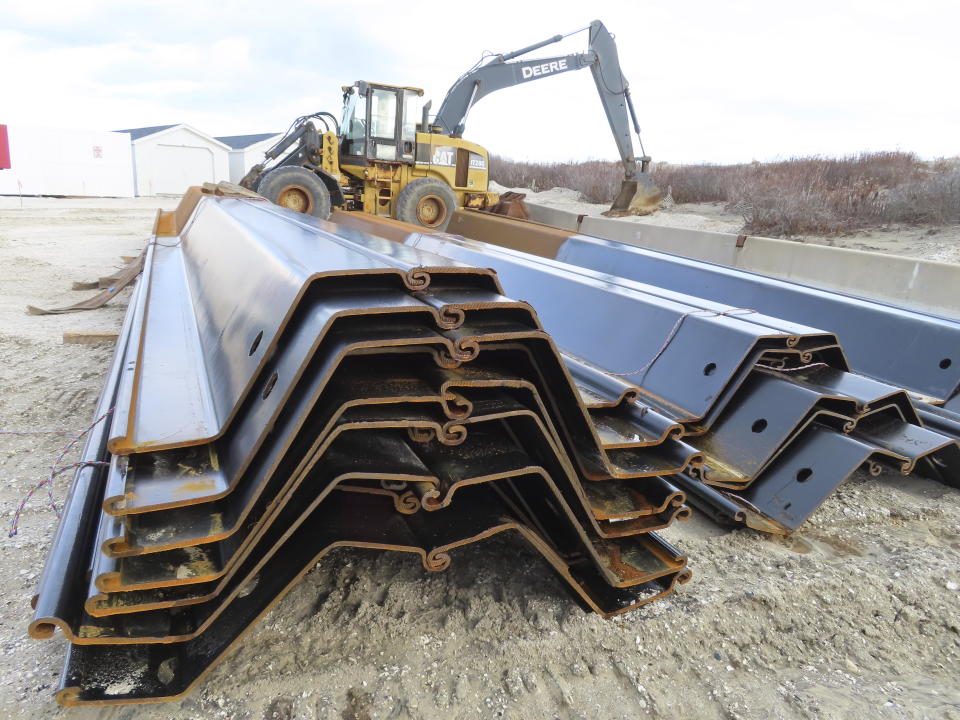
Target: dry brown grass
799, 196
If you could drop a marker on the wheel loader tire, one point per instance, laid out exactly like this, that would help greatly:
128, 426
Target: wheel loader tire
296, 189
427, 202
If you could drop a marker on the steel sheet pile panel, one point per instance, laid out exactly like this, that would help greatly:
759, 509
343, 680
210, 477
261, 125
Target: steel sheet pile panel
912, 350
908, 349
769, 404
285, 387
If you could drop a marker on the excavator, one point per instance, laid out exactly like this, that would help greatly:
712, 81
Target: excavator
385, 157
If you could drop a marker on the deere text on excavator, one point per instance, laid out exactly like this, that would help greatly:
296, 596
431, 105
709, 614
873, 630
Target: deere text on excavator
385, 157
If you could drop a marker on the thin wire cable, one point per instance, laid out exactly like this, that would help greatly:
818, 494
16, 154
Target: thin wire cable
796, 369
156, 242
37, 432
642, 371
56, 469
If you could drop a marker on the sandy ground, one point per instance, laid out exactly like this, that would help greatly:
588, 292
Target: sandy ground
856, 616
932, 243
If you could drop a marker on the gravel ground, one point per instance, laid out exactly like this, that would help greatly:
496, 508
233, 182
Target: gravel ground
856, 616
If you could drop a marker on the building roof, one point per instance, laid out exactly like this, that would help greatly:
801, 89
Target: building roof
238, 142
137, 133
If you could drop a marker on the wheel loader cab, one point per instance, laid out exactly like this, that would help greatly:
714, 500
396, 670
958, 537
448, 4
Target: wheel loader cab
379, 124
385, 160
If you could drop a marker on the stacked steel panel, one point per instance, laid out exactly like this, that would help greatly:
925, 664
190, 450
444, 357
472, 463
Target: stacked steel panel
283, 388
785, 429
769, 403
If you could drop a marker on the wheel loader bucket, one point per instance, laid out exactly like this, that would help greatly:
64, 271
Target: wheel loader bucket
637, 197
512, 205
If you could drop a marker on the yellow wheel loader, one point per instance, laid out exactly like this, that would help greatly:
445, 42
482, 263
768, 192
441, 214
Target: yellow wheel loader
385, 157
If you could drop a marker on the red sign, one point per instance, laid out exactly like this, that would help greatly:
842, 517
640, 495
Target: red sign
4, 148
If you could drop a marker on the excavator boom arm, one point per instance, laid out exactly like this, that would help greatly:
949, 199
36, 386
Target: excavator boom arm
452, 115
503, 72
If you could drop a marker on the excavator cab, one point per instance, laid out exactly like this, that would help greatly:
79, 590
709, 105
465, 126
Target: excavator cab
379, 123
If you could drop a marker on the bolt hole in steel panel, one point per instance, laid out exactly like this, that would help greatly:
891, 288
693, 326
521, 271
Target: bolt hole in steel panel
803, 476
767, 412
256, 343
268, 388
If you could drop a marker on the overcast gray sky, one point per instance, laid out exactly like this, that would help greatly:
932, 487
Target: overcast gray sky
712, 81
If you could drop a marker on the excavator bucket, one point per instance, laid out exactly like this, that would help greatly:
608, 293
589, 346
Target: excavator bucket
640, 196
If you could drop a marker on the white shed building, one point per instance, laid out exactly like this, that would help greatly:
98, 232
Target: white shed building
247, 150
65, 161
167, 159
